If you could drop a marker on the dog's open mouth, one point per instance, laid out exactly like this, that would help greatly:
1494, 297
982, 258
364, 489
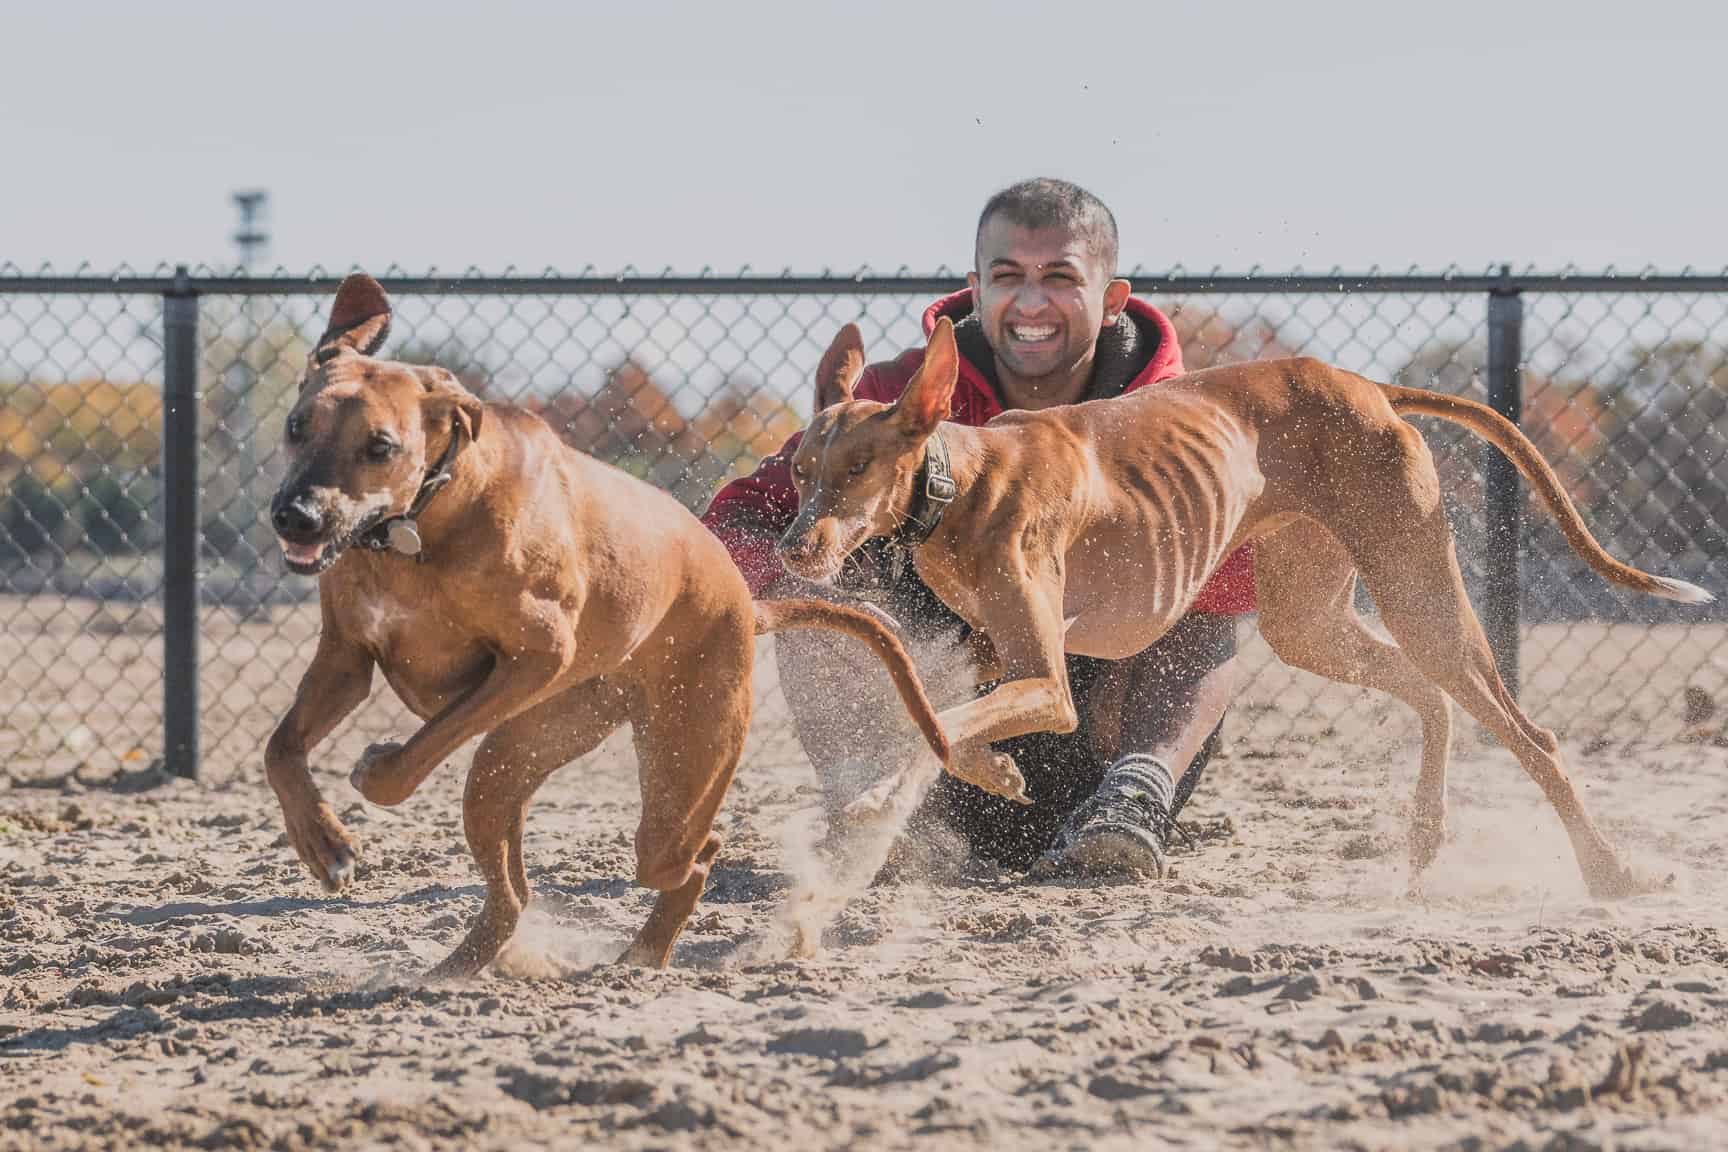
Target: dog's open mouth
824, 566
304, 558
822, 571
309, 559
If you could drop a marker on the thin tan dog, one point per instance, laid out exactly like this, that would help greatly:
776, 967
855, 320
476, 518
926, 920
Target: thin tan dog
511, 587
1091, 528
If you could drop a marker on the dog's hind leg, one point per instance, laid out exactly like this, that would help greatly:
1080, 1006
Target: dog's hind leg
1411, 569
1024, 622
508, 768
689, 727
1305, 582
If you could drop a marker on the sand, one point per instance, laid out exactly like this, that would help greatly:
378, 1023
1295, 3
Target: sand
169, 976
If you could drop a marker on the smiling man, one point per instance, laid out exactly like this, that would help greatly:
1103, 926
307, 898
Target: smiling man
1045, 321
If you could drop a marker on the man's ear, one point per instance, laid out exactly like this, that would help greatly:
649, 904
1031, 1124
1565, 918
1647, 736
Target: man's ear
840, 368
446, 396
359, 319
926, 400
1116, 294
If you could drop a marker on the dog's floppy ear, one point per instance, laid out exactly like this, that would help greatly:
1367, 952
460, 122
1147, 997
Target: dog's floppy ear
840, 368
925, 403
359, 320
445, 394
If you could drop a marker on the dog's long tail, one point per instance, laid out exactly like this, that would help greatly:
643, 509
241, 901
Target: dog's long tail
794, 614
1506, 436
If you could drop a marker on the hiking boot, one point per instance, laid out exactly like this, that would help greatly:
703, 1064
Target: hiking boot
1123, 827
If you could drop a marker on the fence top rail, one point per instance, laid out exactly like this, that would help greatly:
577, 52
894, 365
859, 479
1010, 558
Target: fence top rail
1505, 282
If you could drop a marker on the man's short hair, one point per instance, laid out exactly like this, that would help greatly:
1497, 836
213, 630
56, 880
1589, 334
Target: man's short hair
1050, 203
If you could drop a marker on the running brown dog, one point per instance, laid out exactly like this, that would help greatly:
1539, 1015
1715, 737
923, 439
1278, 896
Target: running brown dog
1090, 528
512, 587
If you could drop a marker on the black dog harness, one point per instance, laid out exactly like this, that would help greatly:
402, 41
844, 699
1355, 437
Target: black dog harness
932, 491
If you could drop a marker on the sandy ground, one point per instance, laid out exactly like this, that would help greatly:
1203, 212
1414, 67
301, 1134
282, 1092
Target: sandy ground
170, 977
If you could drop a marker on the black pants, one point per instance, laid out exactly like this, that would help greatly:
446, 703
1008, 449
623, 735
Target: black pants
1060, 768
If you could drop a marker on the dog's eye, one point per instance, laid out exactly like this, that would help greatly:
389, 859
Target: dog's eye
380, 448
858, 467
800, 471
296, 429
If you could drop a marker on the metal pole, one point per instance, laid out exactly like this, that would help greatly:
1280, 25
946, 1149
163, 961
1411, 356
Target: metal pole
1502, 496
180, 527
242, 403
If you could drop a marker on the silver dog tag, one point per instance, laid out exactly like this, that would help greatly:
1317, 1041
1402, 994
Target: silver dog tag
405, 537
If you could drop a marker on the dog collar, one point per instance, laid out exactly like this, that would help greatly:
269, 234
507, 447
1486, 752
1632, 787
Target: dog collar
401, 533
932, 491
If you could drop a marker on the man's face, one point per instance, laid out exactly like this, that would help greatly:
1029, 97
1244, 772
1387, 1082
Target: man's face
1041, 296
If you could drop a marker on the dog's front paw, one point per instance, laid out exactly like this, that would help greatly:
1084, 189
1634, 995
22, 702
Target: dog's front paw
995, 772
328, 850
378, 775
1609, 879
1427, 837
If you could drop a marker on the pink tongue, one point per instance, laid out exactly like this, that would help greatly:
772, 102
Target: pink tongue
302, 553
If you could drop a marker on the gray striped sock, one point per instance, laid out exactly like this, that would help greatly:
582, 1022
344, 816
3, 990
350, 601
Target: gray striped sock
1144, 772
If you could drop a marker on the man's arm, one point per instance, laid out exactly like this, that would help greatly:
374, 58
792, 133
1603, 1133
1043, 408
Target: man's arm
750, 513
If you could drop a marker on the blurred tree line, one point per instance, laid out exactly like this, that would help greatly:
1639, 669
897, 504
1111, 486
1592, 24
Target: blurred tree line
1640, 445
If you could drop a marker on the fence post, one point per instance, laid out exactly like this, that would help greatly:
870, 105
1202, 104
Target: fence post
1502, 496
180, 527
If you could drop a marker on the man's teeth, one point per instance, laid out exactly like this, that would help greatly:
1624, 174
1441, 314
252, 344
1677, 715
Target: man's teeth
1032, 333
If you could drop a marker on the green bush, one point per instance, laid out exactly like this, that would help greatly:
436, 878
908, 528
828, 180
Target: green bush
32, 516
118, 513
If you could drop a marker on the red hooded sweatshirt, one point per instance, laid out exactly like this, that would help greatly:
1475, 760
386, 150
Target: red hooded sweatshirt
749, 514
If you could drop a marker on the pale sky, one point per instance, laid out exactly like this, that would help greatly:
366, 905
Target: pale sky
825, 135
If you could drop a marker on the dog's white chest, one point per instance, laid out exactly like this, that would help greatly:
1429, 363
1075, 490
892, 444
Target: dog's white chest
379, 616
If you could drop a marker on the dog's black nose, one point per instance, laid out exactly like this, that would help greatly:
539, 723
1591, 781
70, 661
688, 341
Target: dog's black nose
297, 518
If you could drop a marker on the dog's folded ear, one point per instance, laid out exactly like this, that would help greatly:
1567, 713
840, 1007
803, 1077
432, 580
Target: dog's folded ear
926, 400
359, 319
840, 368
445, 397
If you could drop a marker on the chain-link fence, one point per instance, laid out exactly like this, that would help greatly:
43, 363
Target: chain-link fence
1622, 382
